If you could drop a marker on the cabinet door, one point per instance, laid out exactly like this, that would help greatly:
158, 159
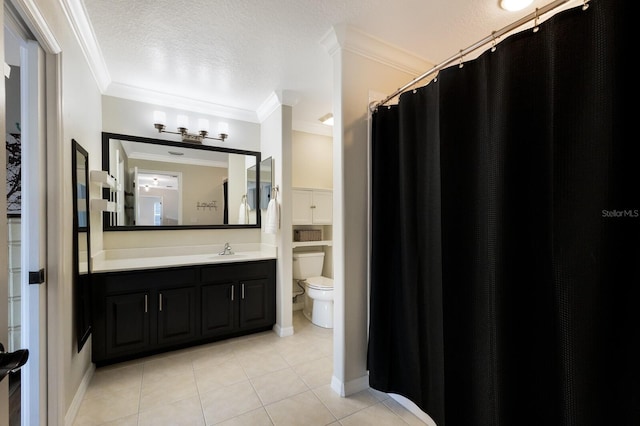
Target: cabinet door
176, 315
127, 323
218, 308
322, 207
257, 303
302, 200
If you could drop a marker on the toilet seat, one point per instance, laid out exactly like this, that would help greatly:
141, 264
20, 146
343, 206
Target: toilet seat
320, 283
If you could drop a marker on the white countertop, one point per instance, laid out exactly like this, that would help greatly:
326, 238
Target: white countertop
157, 257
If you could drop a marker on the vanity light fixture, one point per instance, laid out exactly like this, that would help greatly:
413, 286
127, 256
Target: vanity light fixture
327, 119
160, 120
514, 5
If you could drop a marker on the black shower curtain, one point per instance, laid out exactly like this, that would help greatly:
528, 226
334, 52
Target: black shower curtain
505, 263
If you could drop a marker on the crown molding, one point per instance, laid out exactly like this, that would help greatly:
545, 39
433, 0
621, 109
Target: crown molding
357, 41
119, 90
314, 128
38, 26
77, 16
273, 101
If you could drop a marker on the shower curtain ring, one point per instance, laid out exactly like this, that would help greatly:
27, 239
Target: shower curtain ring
460, 64
535, 22
585, 5
493, 42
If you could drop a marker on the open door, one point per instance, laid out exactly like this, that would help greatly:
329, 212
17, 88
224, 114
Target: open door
24, 123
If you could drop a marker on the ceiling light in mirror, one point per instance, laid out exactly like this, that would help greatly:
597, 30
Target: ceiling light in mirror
327, 119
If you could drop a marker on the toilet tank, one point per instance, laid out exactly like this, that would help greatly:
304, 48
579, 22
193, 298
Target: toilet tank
306, 265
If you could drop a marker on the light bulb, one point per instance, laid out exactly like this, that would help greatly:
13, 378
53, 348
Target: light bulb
183, 121
159, 117
203, 125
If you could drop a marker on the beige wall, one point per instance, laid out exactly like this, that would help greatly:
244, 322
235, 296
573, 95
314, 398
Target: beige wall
355, 78
200, 184
312, 161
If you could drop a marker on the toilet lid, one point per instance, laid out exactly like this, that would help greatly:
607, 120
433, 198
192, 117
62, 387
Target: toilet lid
320, 283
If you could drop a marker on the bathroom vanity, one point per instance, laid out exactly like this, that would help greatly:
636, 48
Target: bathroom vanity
166, 303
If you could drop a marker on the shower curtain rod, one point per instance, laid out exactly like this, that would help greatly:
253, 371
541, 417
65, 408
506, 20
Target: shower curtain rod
492, 38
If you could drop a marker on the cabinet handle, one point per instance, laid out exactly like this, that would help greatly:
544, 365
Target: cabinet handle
232, 292
243, 291
160, 302
146, 305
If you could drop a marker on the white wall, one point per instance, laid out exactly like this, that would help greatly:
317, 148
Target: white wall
136, 118
276, 140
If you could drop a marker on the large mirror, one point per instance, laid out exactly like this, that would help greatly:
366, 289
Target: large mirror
164, 184
81, 243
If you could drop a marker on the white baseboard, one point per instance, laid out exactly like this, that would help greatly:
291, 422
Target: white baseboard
283, 331
72, 412
350, 387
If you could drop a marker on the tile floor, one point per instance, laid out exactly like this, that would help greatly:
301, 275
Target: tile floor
255, 380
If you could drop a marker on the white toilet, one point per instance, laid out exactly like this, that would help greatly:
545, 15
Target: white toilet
318, 302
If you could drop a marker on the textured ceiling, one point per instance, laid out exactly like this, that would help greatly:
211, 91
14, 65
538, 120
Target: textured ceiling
236, 53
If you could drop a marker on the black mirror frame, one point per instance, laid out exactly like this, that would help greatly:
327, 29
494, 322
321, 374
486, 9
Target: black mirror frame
106, 136
81, 286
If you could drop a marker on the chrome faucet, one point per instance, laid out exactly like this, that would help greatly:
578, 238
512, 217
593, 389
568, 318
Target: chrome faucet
227, 250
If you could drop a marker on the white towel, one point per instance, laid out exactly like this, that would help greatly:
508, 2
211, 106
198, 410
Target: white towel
243, 216
273, 217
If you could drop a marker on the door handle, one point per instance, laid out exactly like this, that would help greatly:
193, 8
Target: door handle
11, 361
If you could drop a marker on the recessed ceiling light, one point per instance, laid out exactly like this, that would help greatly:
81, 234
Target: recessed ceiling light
514, 5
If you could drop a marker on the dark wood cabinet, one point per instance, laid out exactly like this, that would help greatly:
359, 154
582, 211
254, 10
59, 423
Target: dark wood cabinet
237, 299
141, 312
127, 323
177, 315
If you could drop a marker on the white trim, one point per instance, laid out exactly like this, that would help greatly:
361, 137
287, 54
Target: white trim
351, 387
283, 331
358, 42
268, 107
38, 25
76, 14
56, 268
120, 90
316, 129
273, 101
72, 412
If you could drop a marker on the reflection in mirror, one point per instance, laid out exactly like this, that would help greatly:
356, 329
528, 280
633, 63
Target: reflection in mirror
81, 244
266, 182
259, 190
173, 185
